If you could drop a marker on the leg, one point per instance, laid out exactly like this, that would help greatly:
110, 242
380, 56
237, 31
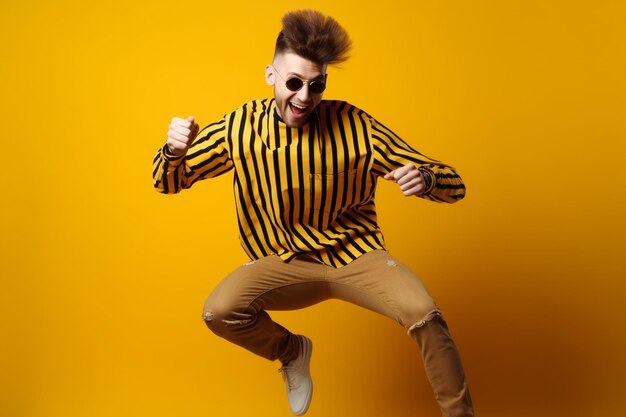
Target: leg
443, 367
236, 308
380, 283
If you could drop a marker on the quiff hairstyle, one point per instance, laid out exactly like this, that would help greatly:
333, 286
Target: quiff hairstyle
311, 35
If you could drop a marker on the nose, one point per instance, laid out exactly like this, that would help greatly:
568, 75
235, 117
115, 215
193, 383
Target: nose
304, 94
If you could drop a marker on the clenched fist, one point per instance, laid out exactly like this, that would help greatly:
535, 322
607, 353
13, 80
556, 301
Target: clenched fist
180, 134
409, 178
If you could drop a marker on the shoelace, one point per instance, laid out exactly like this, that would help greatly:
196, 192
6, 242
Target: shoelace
287, 377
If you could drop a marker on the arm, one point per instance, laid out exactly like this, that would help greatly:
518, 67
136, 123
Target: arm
415, 174
188, 156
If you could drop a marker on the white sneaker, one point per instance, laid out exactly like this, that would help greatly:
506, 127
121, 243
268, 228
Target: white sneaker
297, 378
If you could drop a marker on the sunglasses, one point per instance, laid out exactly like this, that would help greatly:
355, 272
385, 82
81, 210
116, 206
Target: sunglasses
295, 84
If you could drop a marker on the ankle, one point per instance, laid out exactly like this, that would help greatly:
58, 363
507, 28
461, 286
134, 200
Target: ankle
291, 350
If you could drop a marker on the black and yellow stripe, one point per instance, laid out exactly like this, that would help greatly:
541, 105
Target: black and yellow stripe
308, 189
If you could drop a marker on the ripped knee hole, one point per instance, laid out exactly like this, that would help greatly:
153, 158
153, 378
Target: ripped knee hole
208, 317
429, 317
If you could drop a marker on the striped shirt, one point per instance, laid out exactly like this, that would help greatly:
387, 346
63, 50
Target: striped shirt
307, 190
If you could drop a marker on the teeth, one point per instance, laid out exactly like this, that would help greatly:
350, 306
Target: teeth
298, 107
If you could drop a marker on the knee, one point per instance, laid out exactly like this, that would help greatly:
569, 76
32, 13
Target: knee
434, 314
416, 315
215, 312
220, 315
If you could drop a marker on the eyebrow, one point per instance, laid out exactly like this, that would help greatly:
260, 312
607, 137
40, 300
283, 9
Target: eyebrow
319, 77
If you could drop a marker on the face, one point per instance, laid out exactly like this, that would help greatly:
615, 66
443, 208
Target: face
294, 107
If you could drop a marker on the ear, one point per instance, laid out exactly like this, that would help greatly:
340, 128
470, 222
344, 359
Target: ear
270, 77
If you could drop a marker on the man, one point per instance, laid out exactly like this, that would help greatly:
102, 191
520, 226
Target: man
305, 173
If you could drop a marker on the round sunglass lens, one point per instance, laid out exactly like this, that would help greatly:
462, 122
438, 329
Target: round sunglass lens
294, 84
317, 87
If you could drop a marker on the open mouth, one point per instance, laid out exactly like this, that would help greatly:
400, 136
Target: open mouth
297, 109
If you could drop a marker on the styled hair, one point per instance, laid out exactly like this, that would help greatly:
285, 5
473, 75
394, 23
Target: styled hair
311, 35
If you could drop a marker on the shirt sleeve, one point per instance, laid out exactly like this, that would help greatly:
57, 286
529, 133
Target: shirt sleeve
207, 157
443, 184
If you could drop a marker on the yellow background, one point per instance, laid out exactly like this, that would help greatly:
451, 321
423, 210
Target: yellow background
103, 279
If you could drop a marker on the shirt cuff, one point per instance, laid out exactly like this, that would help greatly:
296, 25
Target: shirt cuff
167, 155
429, 180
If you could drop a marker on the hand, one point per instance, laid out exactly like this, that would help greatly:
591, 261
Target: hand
409, 178
180, 134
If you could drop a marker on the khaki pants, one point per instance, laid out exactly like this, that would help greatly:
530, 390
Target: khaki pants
236, 311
